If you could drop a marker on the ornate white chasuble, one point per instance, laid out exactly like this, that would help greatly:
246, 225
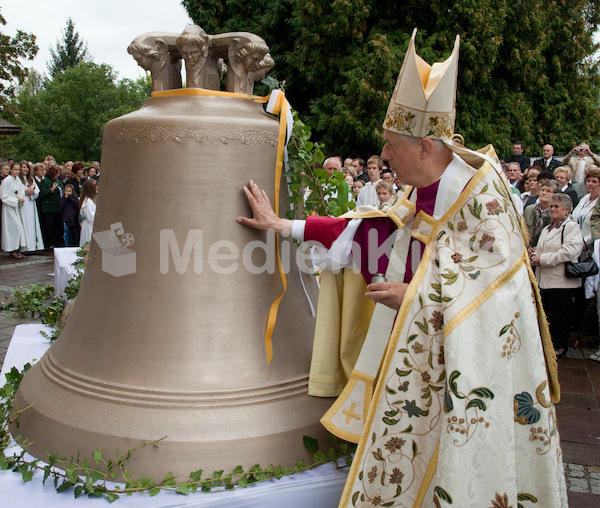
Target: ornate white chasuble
462, 412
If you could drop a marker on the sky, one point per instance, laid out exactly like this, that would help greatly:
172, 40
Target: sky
107, 26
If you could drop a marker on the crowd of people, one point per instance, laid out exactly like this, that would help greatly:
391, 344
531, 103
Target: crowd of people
46, 205
559, 201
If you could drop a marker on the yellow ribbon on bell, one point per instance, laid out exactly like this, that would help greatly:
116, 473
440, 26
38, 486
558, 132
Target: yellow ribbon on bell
281, 107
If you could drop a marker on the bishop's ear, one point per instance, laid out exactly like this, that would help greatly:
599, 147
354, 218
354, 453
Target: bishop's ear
426, 146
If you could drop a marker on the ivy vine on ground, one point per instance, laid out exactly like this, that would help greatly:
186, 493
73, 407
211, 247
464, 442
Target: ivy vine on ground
97, 477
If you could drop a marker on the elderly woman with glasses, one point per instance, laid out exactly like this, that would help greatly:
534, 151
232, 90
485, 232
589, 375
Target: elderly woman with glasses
559, 242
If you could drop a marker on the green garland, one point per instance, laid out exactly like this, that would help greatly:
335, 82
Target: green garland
94, 478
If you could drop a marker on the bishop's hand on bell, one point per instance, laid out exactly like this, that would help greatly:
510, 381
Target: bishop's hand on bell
264, 217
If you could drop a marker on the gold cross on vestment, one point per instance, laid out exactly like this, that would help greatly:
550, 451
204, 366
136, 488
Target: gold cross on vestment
350, 414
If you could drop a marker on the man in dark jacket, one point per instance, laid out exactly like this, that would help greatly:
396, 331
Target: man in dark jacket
51, 190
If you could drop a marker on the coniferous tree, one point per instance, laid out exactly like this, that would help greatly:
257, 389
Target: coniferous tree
526, 69
69, 52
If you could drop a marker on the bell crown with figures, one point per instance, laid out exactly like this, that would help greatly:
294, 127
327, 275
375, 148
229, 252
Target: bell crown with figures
424, 101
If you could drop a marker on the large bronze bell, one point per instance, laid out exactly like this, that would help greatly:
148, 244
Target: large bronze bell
166, 340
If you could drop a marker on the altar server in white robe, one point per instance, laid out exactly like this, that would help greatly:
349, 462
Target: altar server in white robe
12, 194
29, 211
87, 211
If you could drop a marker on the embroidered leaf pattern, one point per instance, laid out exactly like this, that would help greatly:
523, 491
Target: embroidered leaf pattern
483, 392
475, 208
442, 494
423, 326
527, 497
452, 384
472, 241
500, 190
450, 277
478, 403
448, 405
525, 413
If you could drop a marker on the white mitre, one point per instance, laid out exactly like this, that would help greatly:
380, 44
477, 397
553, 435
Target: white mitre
424, 101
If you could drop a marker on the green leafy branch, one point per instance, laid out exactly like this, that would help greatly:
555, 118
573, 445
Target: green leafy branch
40, 301
326, 195
36, 300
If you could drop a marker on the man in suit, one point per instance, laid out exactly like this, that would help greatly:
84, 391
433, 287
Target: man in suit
580, 164
517, 156
547, 161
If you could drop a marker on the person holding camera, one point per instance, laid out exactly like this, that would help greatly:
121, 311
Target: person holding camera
579, 159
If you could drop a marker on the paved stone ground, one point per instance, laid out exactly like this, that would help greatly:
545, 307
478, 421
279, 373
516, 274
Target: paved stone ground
578, 412
36, 269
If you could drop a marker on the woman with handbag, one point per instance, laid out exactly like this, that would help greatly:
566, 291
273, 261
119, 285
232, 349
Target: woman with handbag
560, 242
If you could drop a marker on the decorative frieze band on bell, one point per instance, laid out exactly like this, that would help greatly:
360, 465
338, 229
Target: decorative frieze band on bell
240, 56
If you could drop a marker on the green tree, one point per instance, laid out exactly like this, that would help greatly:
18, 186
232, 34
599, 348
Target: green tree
526, 70
67, 117
12, 71
69, 52
34, 82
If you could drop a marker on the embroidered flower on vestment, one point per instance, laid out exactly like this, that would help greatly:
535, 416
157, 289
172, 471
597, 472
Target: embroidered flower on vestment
376, 501
417, 347
403, 387
412, 409
461, 225
494, 207
372, 475
456, 257
487, 242
394, 443
500, 501
425, 377
437, 320
396, 476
